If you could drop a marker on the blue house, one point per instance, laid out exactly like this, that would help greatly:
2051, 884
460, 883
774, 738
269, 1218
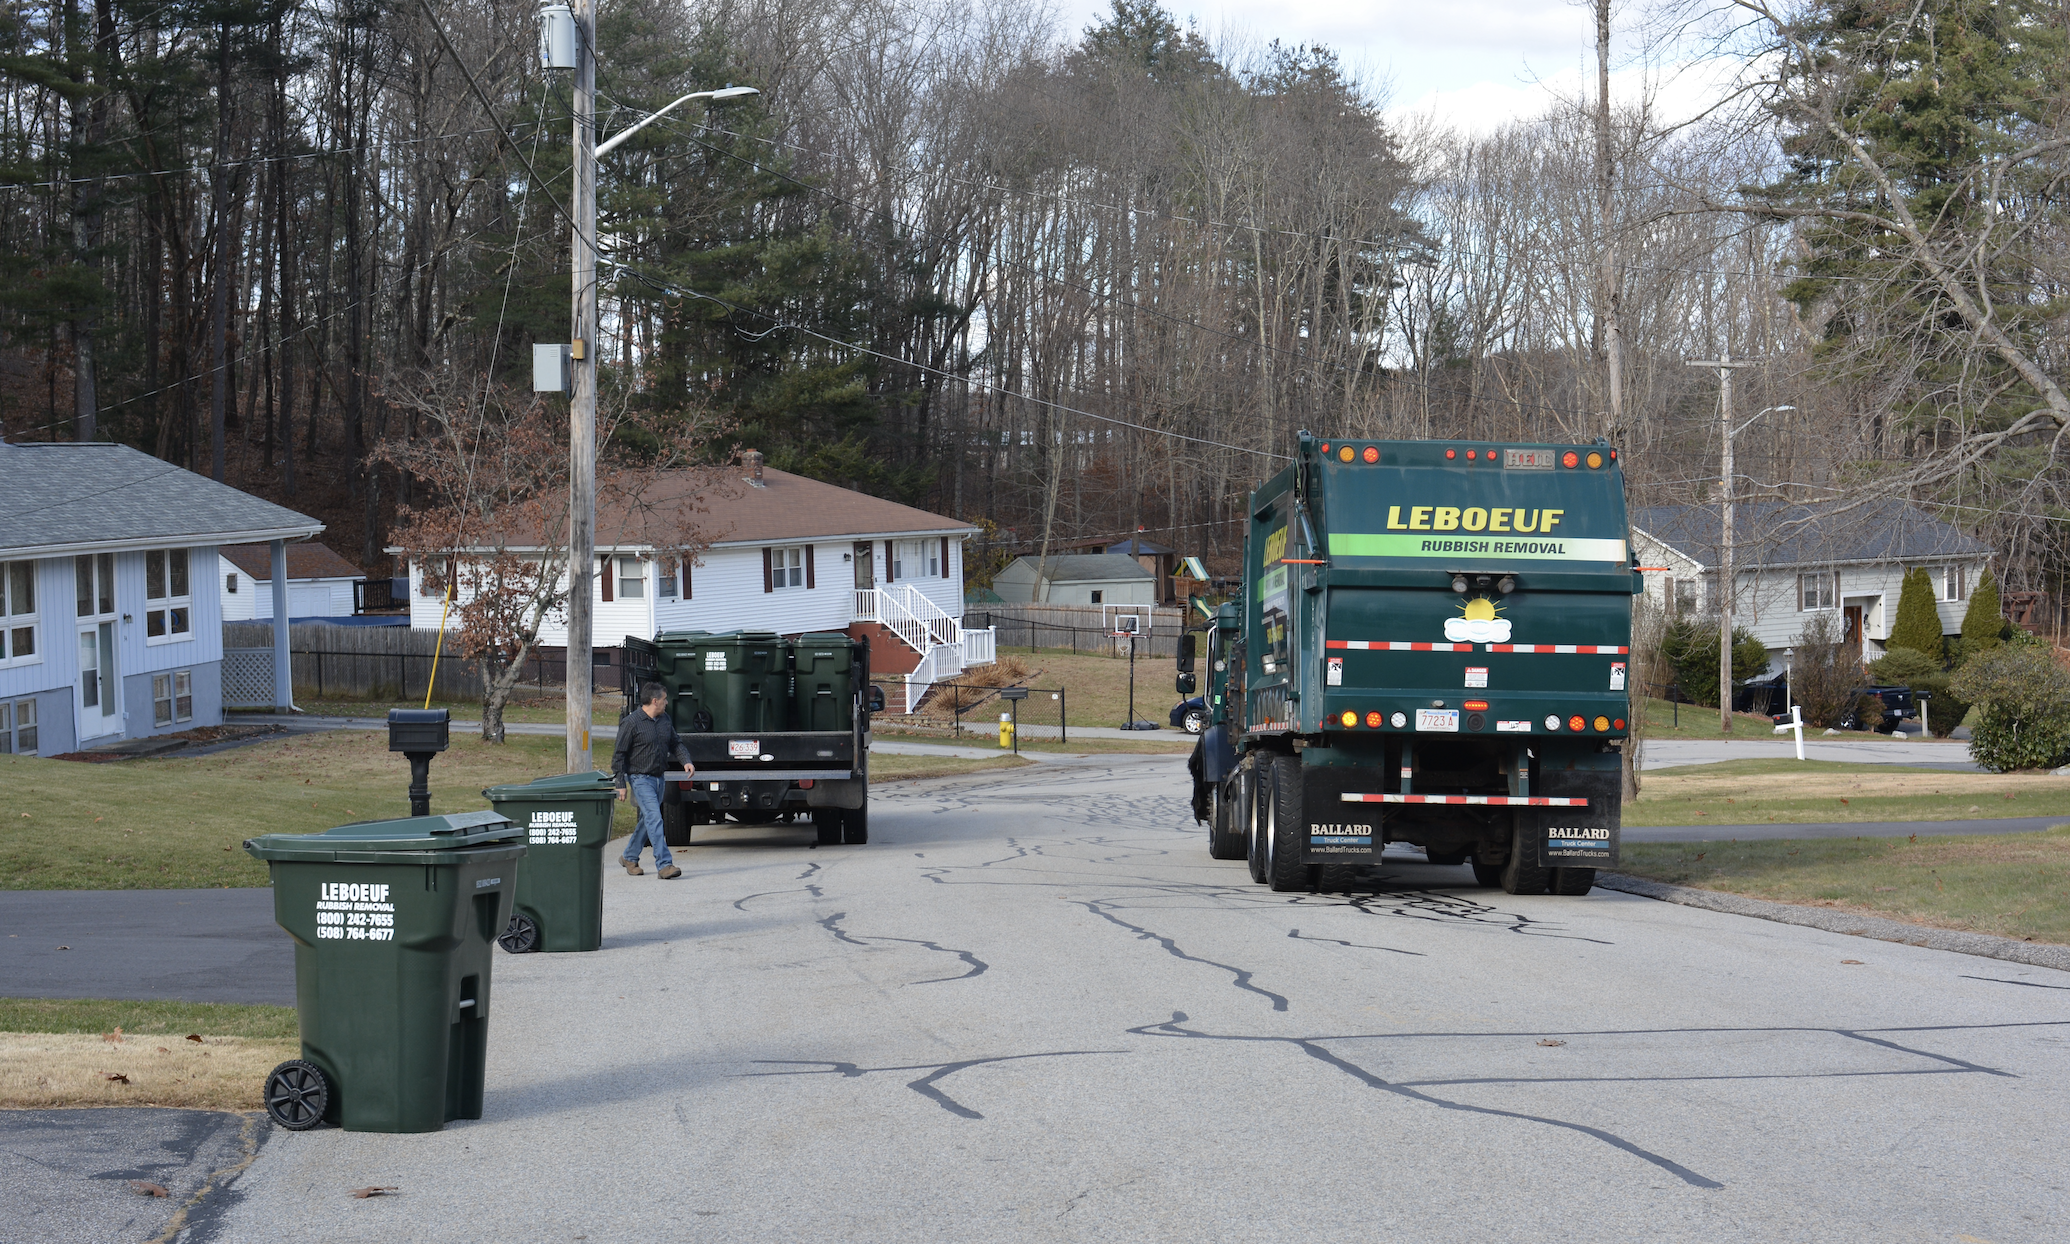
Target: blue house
110, 605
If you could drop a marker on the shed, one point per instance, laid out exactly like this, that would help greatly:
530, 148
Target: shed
319, 582
1077, 579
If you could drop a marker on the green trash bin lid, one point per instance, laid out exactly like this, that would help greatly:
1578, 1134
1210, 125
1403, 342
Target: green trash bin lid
410, 833
593, 785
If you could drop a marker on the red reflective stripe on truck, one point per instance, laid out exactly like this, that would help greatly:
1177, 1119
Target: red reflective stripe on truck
1382, 645
1493, 801
1585, 649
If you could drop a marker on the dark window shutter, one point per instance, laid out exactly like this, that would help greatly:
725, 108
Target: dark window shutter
686, 578
888, 576
945, 557
604, 569
768, 573
808, 565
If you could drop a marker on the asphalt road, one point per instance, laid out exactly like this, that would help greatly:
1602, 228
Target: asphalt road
1033, 1009
191, 945
67, 1174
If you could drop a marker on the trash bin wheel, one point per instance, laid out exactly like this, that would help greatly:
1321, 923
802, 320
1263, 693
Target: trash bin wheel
520, 936
297, 1094
826, 822
855, 826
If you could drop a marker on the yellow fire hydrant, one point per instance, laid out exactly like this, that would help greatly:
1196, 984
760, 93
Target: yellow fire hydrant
1006, 729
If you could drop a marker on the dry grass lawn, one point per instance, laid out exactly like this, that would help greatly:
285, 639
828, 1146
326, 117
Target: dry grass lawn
1742, 792
2012, 885
885, 767
48, 1070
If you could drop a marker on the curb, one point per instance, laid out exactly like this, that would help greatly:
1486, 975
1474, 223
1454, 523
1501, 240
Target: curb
2035, 954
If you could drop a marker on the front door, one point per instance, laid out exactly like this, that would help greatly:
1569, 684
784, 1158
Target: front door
865, 565
1854, 624
100, 696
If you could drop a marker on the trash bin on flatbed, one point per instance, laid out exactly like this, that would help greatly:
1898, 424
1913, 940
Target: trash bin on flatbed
559, 904
395, 924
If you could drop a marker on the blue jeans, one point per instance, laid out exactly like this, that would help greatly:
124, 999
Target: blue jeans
646, 798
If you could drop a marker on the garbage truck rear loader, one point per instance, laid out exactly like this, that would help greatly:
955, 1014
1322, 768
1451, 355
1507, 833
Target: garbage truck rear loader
1432, 647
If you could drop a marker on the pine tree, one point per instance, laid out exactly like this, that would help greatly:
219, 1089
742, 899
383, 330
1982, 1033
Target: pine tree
1981, 626
1918, 625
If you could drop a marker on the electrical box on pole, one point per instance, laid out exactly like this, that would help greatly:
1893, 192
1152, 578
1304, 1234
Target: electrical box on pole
549, 368
560, 40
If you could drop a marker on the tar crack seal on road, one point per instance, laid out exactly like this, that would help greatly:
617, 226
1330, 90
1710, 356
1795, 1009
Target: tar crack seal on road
925, 1085
978, 967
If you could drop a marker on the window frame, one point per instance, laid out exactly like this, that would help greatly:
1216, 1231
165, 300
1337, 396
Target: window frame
1825, 594
637, 580
795, 566
1954, 584
164, 610
11, 727
13, 624
172, 697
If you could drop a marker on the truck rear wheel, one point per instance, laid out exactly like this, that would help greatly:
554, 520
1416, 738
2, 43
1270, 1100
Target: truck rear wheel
1225, 828
855, 826
1287, 867
1250, 805
826, 823
675, 824
1522, 874
1573, 881
1487, 876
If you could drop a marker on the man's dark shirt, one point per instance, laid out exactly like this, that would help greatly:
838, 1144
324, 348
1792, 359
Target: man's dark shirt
645, 745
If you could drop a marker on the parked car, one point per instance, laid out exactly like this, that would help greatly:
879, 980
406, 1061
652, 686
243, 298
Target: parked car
1769, 697
1898, 705
1191, 715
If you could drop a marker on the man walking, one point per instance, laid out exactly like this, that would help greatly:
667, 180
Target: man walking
647, 740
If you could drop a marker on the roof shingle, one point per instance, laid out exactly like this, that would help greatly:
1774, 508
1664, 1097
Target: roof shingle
1774, 533
69, 497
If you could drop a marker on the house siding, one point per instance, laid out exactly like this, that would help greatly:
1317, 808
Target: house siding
307, 598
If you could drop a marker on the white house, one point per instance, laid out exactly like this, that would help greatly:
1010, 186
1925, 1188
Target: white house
319, 582
1077, 579
1791, 562
786, 554
110, 621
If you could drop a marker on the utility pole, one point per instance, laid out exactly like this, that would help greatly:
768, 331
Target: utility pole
582, 384
1725, 366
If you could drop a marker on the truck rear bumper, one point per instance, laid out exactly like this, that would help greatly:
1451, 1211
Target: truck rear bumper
1574, 818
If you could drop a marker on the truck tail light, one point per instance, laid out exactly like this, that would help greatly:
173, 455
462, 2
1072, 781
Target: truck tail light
1373, 720
1602, 724
1595, 461
1476, 706
1371, 455
1619, 723
1344, 454
1570, 459
1350, 719
1576, 723
804, 783
1451, 454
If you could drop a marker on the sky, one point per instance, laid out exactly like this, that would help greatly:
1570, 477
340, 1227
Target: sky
1476, 63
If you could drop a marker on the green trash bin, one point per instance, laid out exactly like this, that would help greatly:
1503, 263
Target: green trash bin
823, 689
740, 679
560, 882
395, 924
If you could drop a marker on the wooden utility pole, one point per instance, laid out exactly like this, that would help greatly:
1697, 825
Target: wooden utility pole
582, 383
1612, 278
1725, 366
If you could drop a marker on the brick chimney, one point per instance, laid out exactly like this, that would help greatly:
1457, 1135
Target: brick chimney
752, 460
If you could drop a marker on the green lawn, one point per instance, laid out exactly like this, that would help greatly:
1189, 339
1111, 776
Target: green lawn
1782, 791
2012, 885
1698, 722
208, 1019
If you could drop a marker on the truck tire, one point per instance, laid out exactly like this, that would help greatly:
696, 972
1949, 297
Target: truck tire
1444, 859
826, 822
1286, 867
1522, 874
1573, 882
855, 826
1486, 876
675, 824
1250, 806
1225, 829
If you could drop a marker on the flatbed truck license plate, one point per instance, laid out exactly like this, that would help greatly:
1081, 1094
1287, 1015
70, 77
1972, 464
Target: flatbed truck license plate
1442, 720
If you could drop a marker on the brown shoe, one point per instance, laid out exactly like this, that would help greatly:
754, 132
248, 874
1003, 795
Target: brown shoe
632, 867
669, 873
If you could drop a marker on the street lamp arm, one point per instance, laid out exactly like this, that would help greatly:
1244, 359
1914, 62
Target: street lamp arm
732, 92
1757, 415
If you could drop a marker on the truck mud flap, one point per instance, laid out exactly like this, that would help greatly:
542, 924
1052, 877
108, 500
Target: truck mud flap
1340, 832
1578, 837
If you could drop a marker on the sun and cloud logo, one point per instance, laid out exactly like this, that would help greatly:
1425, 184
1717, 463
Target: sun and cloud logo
1477, 624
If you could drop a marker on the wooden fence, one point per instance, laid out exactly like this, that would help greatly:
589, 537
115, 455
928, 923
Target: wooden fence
1081, 628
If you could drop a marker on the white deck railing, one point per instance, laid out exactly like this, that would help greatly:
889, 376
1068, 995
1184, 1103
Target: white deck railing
945, 648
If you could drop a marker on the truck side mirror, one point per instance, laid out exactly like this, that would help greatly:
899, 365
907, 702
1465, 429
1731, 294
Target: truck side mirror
1186, 641
1186, 683
874, 701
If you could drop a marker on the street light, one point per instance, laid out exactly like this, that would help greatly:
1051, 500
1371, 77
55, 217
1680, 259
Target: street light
1726, 572
568, 41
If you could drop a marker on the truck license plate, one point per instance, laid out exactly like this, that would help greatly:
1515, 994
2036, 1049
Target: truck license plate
743, 749
1445, 720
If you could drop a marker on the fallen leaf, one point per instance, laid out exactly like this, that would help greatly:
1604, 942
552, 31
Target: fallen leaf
1855, 962
1913, 838
64, 948
163, 1050
1550, 1041
195, 1037
145, 1187
1701, 854
1843, 801
372, 1190
113, 1038
116, 1076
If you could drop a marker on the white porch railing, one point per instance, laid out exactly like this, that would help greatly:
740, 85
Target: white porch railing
980, 647
945, 648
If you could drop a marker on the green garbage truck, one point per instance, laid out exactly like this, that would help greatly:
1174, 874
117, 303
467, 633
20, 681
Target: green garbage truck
1432, 647
778, 728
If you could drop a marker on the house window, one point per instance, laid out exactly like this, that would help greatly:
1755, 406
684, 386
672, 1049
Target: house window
168, 609
1815, 591
632, 578
1097, 596
1955, 583
786, 568
230, 584
1685, 598
96, 579
665, 584
18, 728
911, 559
17, 612
172, 697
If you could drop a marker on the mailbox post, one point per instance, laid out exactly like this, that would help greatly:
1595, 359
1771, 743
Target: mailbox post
419, 734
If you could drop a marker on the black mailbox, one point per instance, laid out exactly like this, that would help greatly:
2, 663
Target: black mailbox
419, 729
1013, 693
